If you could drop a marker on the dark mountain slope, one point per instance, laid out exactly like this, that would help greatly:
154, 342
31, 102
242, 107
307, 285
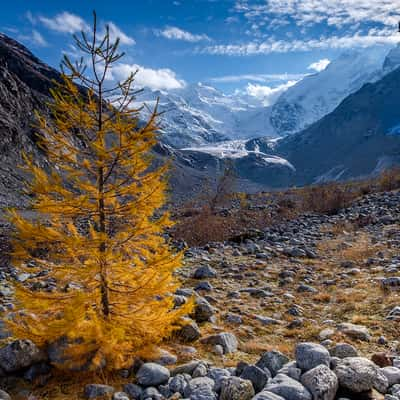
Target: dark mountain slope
24, 87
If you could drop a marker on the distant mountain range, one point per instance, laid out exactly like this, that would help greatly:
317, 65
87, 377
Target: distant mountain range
341, 123
199, 114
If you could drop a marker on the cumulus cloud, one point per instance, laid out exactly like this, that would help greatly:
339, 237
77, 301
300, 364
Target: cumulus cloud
283, 46
267, 94
65, 22
156, 79
319, 65
174, 33
116, 32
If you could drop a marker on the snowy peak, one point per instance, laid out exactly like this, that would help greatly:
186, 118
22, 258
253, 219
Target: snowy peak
199, 114
319, 94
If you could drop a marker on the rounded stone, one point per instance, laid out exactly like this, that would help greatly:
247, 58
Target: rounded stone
235, 388
152, 374
310, 355
321, 382
273, 361
356, 374
343, 350
256, 376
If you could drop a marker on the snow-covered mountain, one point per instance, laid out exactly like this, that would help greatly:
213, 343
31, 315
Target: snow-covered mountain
319, 94
198, 114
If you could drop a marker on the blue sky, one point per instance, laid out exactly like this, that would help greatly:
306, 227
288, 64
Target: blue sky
226, 43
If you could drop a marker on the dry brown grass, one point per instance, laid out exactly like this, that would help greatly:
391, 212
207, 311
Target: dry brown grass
328, 198
389, 179
254, 346
207, 226
203, 222
322, 298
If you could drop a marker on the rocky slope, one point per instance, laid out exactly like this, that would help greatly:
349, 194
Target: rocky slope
305, 310
24, 85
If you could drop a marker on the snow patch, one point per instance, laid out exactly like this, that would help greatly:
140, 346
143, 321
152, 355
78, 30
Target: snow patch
235, 149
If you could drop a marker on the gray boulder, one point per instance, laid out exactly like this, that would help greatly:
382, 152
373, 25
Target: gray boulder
343, 350
353, 331
190, 332
310, 355
392, 374
273, 361
165, 358
290, 369
200, 370
134, 391
200, 389
152, 374
20, 354
356, 374
203, 310
187, 368
257, 376
227, 340
94, 391
151, 393
381, 383
235, 388
321, 382
218, 375
178, 384
288, 388
204, 272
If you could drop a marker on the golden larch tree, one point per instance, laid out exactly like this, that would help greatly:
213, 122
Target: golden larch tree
97, 230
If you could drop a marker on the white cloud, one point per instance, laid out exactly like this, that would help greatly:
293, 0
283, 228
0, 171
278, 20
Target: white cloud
35, 38
267, 94
163, 78
65, 22
256, 78
38, 38
283, 46
116, 32
332, 12
30, 17
174, 33
319, 65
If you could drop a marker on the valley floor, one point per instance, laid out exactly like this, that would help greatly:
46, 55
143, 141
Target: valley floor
328, 279
307, 279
